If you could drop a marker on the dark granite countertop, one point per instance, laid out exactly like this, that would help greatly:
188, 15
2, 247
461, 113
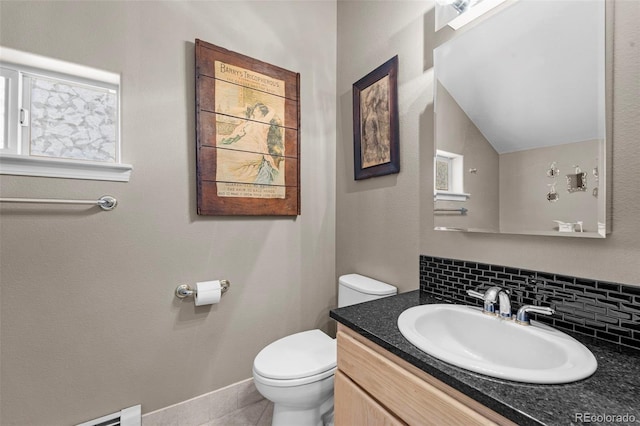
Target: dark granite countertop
614, 389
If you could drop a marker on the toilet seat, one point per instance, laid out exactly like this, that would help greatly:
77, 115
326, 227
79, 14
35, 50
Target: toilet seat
286, 383
297, 359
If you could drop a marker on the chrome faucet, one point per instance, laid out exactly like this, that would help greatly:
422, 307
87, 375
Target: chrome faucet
490, 297
501, 296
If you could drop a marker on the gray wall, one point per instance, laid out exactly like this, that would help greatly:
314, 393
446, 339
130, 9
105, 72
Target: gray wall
377, 219
524, 187
89, 320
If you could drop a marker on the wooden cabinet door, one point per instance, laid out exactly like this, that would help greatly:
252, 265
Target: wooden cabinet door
410, 394
354, 407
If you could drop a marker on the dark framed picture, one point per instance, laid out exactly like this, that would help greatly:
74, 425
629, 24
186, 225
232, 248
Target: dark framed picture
375, 122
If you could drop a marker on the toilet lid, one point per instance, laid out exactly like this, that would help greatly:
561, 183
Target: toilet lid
299, 355
367, 285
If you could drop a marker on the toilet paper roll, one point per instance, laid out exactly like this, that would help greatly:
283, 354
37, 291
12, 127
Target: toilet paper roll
208, 292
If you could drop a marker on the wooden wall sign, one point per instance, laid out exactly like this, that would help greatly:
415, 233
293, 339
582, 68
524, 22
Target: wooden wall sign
247, 135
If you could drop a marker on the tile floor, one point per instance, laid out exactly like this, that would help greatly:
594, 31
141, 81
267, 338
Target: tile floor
256, 414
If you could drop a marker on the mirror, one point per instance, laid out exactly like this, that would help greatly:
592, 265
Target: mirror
519, 103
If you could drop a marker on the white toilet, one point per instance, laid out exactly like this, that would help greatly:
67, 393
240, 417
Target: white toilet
296, 372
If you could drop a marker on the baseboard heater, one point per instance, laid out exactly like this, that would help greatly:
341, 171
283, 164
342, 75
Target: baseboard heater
131, 416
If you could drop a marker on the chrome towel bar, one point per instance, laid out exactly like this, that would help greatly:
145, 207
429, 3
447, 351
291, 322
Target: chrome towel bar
106, 202
461, 210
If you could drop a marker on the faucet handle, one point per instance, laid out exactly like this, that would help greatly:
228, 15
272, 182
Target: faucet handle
522, 317
491, 293
489, 299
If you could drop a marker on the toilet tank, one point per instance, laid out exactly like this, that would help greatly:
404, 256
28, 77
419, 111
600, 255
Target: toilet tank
355, 288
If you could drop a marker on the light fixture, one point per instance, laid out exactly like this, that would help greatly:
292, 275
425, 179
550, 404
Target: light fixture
459, 5
468, 10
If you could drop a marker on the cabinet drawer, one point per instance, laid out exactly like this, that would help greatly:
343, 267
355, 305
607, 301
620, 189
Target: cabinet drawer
410, 397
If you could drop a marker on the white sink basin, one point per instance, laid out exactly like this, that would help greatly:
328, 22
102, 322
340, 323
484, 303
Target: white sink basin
465, 337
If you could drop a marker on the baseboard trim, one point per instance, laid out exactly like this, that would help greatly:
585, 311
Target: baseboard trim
207, 407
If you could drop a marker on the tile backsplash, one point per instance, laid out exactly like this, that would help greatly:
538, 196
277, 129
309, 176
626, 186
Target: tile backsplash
600, 309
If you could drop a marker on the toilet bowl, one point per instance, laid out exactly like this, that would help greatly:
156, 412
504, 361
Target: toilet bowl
296, 372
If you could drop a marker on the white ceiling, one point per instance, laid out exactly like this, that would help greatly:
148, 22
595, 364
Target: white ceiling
532, 75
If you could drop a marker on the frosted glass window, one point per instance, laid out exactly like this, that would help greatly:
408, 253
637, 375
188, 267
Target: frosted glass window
442, 173
59, 119
72, 121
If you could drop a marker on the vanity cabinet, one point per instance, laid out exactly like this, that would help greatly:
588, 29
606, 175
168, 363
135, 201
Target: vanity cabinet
375, 387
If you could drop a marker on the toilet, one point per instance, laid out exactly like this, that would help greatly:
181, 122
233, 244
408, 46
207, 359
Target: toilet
296, 372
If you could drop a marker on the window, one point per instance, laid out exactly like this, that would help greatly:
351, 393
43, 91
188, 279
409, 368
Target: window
59, 119
443, 173
448, 183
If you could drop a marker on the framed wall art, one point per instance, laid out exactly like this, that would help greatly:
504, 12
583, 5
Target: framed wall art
247, 135
375, 122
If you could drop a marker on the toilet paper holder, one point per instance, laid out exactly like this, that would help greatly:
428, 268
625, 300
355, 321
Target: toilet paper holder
184, 290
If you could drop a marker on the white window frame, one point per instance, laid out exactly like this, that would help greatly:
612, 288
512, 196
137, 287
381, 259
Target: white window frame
456, 177
14, 155
10, 136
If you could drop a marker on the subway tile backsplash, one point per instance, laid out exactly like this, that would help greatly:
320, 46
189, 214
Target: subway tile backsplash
600, 309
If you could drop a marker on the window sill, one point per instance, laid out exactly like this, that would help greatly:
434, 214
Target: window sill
450, 196
21, 165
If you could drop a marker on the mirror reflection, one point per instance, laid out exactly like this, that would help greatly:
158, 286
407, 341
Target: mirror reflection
519, 116
577, 181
